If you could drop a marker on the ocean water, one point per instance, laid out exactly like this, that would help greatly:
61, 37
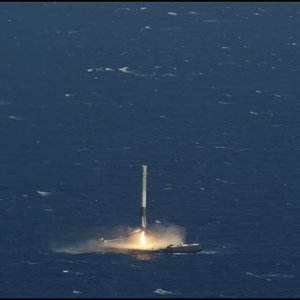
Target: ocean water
206, 94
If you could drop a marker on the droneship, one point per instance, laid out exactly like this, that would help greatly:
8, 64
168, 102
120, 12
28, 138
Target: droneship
181, 248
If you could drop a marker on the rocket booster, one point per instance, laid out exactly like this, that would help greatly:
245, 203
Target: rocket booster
143, 202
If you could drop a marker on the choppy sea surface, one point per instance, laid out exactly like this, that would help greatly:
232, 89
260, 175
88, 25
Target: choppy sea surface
206, 94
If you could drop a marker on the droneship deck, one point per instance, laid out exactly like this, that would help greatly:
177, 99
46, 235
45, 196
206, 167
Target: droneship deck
178, 249
182, 248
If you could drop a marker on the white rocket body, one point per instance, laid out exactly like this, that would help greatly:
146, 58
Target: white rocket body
144, 198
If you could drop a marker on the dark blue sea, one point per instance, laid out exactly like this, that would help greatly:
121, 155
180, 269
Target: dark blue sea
205, 94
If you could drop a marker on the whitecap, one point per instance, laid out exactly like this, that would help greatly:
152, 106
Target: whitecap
15, 118
225, 181
222, 102
100, 69
48, 209
168, 75
162, 292
207, 252
108, 69
43, 193
172, 13
215, 21
144, 28
167, 188
124, 70
269, 275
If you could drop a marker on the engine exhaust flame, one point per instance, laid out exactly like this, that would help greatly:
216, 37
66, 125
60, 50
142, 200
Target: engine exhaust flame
143, 238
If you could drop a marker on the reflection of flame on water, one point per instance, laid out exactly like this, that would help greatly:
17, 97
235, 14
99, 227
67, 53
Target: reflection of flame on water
160, 236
